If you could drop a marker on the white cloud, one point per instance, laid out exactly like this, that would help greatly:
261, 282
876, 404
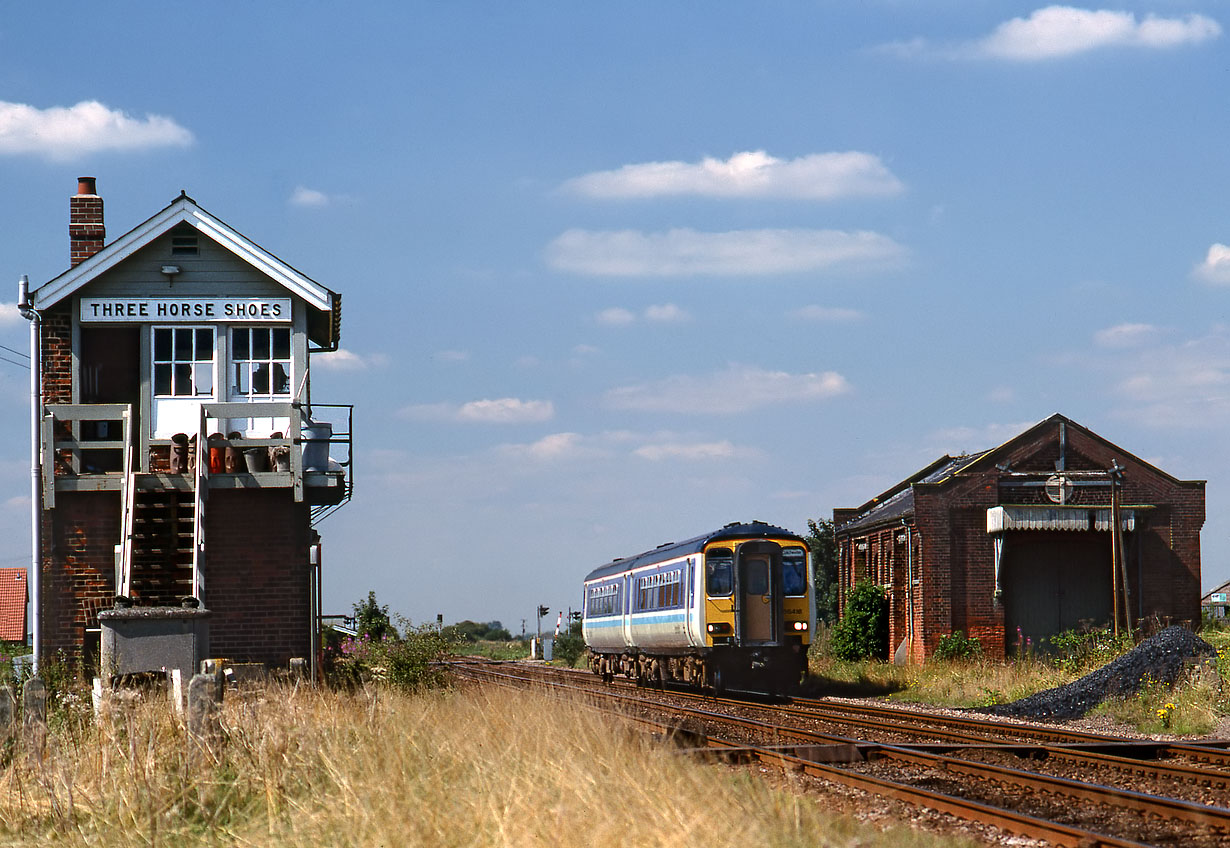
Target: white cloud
1215, 268
497, 411
555, 447
1058, 31
303, 196
819, 176
1055, 32
616, 316
9, 314
506, 411
828, 314
682, 252
59, 133
1125, 335
666, 313
1182, 385
688, 451
740, 388
343, 359
452, 356
965, 439
617, 445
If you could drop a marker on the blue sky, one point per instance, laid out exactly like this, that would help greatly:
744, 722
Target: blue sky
614, 276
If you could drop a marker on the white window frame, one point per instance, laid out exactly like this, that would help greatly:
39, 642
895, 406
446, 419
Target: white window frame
180, 413
259, 427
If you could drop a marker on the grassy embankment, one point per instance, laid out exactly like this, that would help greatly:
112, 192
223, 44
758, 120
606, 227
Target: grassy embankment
1195, 706
451, 768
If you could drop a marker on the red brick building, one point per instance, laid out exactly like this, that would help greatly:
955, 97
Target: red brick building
1015, 544
183, 456
13, 600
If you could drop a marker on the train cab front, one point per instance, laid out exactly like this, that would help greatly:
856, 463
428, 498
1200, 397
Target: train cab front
758, 613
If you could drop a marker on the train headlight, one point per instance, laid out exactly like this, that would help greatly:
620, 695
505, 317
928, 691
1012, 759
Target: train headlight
800, 625
717, 628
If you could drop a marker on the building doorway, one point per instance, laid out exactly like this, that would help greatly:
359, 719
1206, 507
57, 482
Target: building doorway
1054, 582
109, 369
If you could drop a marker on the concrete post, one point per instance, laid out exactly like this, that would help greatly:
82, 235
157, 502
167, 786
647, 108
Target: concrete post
203, 707
34, 718
8, 714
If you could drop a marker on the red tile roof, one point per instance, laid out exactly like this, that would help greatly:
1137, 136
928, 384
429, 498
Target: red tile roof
13, 604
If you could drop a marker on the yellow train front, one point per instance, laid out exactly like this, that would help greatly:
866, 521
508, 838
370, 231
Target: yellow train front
731, 609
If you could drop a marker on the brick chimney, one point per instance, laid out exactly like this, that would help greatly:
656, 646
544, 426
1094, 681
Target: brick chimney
86, 233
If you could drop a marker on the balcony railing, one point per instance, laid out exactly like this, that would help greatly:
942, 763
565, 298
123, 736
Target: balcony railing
90, 447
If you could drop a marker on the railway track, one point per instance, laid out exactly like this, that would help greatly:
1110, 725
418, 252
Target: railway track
963, 766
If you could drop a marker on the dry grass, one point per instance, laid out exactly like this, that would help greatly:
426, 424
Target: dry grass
1198, 704
980, 683
460, 768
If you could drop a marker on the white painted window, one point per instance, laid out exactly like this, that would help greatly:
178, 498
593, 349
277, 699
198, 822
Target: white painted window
260, 370
184, 361
184, 370
260, 363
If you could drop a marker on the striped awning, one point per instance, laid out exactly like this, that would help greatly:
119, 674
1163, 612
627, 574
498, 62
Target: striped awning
1001, 518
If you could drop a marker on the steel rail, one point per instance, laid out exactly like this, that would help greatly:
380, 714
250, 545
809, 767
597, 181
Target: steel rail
1207, 753
906, 721
1217, 818
1012, 821
1056, 833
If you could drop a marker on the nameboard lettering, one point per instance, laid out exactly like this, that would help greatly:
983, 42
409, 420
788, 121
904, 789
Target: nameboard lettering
196, 310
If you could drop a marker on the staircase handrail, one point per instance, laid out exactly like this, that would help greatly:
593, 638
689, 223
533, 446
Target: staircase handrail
128, 494
200, 486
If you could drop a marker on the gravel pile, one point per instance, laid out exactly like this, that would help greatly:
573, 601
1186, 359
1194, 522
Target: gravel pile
1159, 659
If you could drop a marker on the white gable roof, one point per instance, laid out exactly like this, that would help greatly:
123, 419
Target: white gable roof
183, 210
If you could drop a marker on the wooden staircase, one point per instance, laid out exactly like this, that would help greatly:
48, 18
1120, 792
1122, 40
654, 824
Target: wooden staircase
160, 569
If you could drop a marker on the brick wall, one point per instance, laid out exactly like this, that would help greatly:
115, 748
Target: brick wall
79, 541
86, 233
57, 354
256, 572
954, 555
257, 576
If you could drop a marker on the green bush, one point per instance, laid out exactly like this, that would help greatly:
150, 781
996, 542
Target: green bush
862, 632
406, 662
569, 648
1080, 650
957, 646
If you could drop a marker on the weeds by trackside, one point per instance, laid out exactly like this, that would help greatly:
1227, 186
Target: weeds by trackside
385, 766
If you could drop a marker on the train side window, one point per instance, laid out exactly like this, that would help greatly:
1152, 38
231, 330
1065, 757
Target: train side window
719, 572
794, 571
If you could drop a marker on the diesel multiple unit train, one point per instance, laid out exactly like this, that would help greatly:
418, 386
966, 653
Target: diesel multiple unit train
729, 609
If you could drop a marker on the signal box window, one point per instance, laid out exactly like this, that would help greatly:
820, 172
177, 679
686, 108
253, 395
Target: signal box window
260, 363
184, 361
719, 572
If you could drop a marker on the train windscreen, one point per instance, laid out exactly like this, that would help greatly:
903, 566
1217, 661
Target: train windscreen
794, 571
719, 572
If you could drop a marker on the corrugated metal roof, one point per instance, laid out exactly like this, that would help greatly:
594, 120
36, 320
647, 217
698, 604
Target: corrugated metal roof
898, 503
